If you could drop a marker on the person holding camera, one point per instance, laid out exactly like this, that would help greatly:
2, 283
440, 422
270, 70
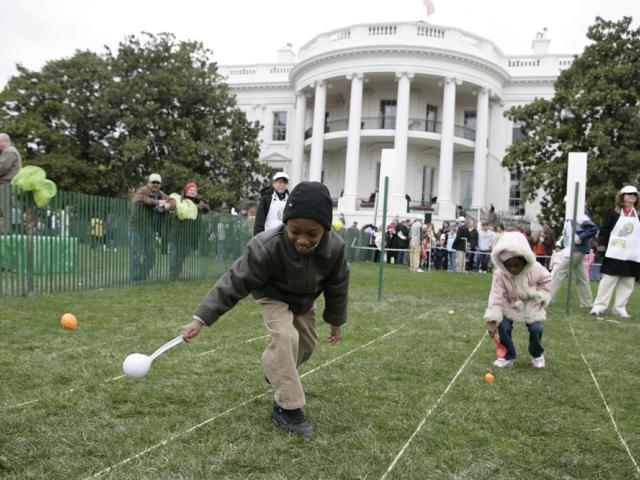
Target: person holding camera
149, 207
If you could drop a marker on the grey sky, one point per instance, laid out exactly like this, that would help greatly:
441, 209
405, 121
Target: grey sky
250, 31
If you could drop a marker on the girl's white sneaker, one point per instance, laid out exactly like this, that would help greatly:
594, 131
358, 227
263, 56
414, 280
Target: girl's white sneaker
502, 363
538, 362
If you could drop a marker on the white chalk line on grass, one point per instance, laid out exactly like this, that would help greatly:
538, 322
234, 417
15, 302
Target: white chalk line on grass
229, 410
113, 379
433, 407
8, 407
606, 405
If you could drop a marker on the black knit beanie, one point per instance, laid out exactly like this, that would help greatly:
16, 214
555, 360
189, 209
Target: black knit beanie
310, 200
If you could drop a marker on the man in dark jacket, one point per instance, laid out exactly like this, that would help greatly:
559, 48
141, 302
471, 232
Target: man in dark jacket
286, 269
461, 244
272, 202
150, 206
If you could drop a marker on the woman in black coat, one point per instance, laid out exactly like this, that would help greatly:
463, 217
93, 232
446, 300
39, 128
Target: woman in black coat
620, 234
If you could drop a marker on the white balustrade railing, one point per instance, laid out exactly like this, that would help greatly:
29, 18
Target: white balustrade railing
403, 33
256, 73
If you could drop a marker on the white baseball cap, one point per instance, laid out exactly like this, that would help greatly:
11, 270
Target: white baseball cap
461, 219
629, 189
154, 177
281, 175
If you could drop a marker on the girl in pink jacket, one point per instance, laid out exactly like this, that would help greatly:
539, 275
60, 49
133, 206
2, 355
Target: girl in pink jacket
520, 292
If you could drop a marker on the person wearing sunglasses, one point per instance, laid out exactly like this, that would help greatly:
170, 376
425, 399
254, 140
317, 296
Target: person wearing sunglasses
150, 205
620, 233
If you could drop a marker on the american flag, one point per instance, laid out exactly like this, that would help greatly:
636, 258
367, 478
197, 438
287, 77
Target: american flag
430, 7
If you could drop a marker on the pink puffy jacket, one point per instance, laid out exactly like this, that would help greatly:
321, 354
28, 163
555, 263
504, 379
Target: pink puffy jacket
521, 297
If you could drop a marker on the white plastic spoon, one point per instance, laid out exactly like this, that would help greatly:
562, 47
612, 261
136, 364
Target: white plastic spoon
138, 364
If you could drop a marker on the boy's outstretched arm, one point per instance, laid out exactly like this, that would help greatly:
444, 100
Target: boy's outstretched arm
247, 273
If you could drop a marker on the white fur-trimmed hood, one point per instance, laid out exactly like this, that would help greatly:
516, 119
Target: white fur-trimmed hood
514, 242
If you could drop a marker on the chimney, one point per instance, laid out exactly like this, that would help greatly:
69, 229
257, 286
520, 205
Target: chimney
286, 55
540, 44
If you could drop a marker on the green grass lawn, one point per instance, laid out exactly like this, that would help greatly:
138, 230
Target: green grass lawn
385, 389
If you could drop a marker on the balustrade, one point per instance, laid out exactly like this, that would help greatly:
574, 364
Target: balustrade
389, 122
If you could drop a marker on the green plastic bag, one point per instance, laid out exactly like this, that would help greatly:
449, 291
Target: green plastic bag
185, 209
44, 193
29, 178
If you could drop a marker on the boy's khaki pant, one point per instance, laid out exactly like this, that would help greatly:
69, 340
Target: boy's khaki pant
582, 282
293, 340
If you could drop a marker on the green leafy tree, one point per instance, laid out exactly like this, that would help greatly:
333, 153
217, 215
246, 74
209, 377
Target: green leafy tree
595, 109
101, 123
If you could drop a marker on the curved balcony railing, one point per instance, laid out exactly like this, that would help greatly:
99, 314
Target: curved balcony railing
436, 36
423, 125
389, 123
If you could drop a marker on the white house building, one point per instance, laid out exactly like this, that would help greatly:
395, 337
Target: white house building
435, 94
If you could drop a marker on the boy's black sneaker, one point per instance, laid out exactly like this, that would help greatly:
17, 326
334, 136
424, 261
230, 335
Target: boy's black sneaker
290, 420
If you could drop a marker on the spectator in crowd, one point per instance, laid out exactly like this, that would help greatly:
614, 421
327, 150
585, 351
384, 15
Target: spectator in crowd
286, 269
150, 206
185, 234
402, 241
536, 241
415, 245
472, 246
10, 160
620, 233
369, 231
444, 230
461, 244
441, 254
585, 231
556, 258
520, 291
548, 238
451, 252
272, 202
377, 241
485, 242
431, 244
391, 242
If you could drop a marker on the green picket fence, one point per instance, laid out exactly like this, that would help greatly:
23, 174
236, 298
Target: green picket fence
81, 242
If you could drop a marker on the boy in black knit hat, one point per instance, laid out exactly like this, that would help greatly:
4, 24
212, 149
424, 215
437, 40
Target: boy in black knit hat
286, 269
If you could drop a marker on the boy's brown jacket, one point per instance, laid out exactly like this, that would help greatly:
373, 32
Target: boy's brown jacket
271, 267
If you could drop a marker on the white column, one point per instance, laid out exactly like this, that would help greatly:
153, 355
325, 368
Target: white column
298, 140
398, 200
348, 201
446, 205
317, 142
479, 197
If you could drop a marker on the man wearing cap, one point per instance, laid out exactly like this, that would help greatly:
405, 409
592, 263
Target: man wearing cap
149, 207
286, 269
272, 202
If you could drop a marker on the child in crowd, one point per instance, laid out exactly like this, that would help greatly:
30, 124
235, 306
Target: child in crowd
451, 253
556, 257
285, 269
441, 254
520, 292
